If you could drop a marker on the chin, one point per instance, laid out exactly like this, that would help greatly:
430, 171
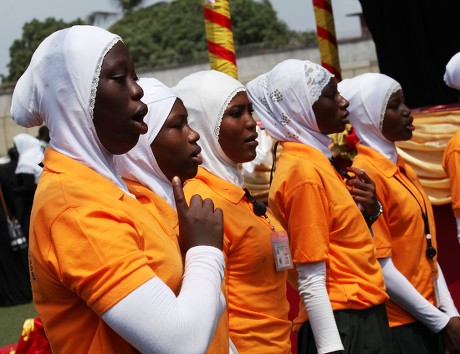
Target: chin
188, 175
250, 158
120, 150
407, 136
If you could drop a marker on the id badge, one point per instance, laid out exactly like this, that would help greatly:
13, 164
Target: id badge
281, 250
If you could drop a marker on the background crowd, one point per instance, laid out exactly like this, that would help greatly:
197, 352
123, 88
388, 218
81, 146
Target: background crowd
19, 175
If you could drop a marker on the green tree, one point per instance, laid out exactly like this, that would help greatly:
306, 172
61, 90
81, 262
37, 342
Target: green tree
256, 22
33, 33
164, 33
167, 34
256, 26
170, 33
127, 5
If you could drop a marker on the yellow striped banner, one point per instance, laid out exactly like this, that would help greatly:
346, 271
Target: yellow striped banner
325, 30
220, 36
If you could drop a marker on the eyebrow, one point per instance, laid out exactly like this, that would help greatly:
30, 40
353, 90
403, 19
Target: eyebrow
233, 107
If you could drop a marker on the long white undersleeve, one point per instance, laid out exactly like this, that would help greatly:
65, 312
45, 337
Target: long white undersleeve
312, 288
232, 348
458, 229
403, 293
447, 304
154, 320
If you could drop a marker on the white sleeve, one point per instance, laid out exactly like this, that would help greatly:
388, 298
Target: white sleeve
153, 320
403, 293
447, 304
458, 229
312, 288
232, 349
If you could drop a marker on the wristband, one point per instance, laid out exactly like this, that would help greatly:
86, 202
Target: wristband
374, 217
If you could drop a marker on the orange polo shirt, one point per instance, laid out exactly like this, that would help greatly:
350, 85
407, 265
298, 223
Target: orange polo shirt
163, 252
399, 233
324, 224
166, 257
86, 254
256, 292
451, 164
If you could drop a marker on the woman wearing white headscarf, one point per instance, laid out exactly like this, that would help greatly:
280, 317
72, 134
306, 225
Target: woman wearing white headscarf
27, 173
30, 155
93, 283
339, 278
221, 113
168, 149
405, 234
452, 74
451, 157
451, 165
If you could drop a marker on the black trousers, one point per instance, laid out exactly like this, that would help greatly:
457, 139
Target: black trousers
416, 338
361, 331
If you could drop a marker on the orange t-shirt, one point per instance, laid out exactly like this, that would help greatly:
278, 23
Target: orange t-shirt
256, 292
162, 251
451, 164
324, 224
166, 258
86, 254
400, 233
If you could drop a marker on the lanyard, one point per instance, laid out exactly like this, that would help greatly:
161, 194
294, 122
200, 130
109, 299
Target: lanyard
430, 250
259, 208
272, 171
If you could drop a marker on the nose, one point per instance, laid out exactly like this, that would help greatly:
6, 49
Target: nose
406, 110
343, 103
250, 122
137, 91
193, 135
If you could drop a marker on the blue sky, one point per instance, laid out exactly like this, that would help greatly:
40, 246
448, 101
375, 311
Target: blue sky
298, 14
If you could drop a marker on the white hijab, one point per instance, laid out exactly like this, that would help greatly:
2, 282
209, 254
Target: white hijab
206, 95
59, 89
139, 164
30, 155
368, 95
452, 74
283, 99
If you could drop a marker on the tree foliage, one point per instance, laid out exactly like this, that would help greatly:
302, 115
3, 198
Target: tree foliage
33, 33
164, 33
167, 34
171, 33
127, 5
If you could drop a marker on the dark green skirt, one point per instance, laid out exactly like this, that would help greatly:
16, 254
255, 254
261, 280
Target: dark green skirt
361, 331
416, 338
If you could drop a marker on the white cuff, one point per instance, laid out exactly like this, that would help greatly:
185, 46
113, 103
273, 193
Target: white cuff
403, 293
458, 229
312, 288
446, 303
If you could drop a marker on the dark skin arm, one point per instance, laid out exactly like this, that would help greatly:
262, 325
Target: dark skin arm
364, 192
199, 223
451, 335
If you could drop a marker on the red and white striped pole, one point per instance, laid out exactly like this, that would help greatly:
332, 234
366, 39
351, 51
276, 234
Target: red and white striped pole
325, 30
220, 36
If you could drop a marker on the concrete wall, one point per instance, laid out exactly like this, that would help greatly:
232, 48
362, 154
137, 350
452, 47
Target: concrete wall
356, 57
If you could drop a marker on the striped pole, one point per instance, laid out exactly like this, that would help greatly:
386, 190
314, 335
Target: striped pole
220, 36
325, 30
